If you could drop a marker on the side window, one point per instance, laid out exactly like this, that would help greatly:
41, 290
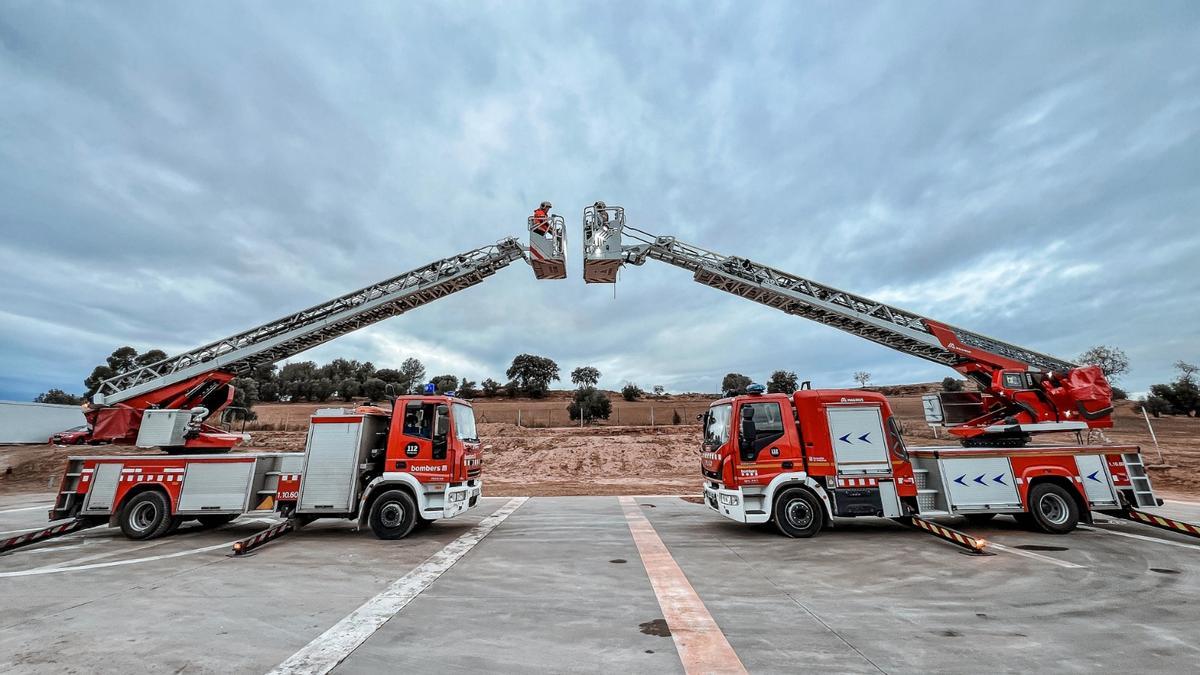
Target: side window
896, 435
768, 424
1014, 381
418, 420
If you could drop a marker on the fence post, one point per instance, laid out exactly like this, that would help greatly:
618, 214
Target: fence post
651, 417
518, 417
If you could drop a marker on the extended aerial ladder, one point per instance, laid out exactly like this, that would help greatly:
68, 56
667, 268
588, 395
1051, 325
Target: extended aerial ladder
168, 403
1023, 391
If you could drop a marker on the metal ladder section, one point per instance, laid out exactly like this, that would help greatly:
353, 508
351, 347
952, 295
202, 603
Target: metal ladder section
890, 326
297, 332
1143, 494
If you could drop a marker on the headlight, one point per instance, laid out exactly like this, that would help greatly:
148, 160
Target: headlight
730, 500
457, 496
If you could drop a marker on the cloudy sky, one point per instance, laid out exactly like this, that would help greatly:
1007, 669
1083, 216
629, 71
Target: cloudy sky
172, 173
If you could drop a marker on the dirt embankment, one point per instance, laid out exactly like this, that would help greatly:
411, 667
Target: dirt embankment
569, 460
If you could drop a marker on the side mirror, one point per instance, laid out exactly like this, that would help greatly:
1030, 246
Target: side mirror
748, 431
441, 421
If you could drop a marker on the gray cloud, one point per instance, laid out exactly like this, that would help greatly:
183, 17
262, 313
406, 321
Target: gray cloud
170, 174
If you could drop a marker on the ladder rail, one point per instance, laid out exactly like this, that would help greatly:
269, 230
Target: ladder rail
879, 322
320, 323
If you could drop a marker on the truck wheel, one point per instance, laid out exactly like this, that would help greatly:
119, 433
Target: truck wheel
146, 516
393, 515
798, 513
1051, 509
216, 520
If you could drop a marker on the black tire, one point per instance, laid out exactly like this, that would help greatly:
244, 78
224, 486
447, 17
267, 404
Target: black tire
146, 515
979, 518
798, 513
217, 520
1052, 509
393, 515
422, 524
176, 521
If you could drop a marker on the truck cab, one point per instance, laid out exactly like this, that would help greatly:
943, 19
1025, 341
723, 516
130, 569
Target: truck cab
433, 457
839, 450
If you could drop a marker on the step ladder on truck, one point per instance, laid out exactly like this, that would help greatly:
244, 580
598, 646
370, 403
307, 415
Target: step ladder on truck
799, 460
172, 404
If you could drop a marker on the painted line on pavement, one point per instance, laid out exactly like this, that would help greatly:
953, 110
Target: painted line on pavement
1033, 556
47, 507
117, 563
331, 647
1142, 537
100, 556
701, 645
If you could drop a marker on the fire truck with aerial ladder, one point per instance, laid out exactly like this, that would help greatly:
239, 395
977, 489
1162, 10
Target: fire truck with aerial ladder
394, 469
799, 460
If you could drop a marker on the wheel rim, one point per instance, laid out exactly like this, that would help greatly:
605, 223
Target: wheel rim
143, 516
391, 515
1054, 508
799, 513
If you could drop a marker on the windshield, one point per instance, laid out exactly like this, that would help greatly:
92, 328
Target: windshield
716, 425
464, 423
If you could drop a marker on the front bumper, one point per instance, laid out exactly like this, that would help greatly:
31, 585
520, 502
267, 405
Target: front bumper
460, 498
731, 504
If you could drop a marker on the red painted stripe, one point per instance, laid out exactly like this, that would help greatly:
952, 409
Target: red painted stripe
701, 645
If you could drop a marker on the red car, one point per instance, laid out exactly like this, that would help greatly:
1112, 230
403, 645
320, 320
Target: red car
73, 436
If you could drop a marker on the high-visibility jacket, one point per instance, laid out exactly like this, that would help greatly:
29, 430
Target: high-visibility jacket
541, 220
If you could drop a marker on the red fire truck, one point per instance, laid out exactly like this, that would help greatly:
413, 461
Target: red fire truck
393, 471
799, 460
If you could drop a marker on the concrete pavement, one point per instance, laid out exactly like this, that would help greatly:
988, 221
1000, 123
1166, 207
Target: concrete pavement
559, 586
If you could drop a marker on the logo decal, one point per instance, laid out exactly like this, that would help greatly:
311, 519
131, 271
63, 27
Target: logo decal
412, 449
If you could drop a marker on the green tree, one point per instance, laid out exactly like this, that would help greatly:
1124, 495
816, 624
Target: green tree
348, 388
245, 395
321, 389
374, 389
58, 396
122, 359
490, 387
781, 382
466, 389
590, 403
631, 392
1111, 360
412, 375
952, 384
533, 374
585, 376
734, 383
444, 383
150, 357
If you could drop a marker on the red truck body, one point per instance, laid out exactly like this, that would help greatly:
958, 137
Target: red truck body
844, 452
428, 451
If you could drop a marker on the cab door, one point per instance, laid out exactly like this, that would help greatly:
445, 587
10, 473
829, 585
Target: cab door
762, 443
422, 444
